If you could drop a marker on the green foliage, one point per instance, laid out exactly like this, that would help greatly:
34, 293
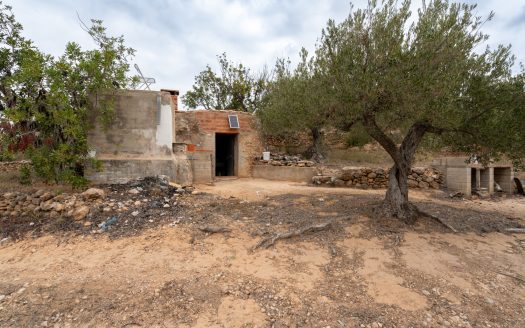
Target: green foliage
6, 156
49, 98
25, 174
424, 77
235, 88
357, 136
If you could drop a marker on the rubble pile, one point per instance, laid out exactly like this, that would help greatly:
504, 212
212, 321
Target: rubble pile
109, 199
376, 178
285, 160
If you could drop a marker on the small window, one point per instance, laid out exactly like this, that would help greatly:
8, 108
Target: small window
234, 121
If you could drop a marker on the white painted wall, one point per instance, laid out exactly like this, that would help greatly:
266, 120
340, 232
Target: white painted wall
165, 129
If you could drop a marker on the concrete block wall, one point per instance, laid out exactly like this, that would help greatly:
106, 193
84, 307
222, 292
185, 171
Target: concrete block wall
462, 176
487, 179
134, 132
122, 171
504, 177
459, 179
139, 142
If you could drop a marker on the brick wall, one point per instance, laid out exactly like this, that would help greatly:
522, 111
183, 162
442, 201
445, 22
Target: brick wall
197, 130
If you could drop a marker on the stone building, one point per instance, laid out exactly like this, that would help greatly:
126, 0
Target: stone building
150, 136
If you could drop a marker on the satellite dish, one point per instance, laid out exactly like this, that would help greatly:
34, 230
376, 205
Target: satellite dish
146, 81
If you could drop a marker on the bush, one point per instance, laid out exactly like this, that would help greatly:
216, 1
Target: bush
25, 174
357, 136
6, 156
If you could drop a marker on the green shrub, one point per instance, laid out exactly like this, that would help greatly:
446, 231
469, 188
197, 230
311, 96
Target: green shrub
357, 136
6, 156
25, 174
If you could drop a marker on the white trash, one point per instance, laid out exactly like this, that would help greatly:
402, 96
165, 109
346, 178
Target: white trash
266, 155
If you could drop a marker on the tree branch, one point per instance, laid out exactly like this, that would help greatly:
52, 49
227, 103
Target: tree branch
370, 124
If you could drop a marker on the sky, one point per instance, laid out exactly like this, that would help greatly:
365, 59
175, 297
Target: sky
175, 39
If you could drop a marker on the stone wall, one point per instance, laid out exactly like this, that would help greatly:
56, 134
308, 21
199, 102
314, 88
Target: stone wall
197, 129
12, 166
358, 177
278, 159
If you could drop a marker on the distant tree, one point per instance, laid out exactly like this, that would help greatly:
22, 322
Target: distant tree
429, 80
235, 88
49, 98
293, 103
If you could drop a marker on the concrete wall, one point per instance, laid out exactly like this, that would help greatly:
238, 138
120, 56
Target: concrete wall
504, 177
139, 141
459, 179
284, 173
197, 130
463, 177
135, 132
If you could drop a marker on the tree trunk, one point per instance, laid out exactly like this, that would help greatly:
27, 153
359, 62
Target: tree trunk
396, 202
315, 152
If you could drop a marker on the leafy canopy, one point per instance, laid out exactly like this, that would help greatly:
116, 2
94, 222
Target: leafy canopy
236, 88
425, 76
45, 100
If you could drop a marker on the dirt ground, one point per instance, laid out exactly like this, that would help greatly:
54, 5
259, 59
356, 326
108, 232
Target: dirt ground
360, 272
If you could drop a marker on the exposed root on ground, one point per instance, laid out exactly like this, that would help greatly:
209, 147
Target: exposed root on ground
214, 229
267, 242
438, 219
515, 230
518, 278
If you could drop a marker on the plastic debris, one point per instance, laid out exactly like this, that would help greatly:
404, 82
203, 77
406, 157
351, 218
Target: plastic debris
105, 225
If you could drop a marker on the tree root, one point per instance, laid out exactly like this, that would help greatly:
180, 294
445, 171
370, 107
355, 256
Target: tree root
515, 230
267, 242
518, 278
438, 219
214, 229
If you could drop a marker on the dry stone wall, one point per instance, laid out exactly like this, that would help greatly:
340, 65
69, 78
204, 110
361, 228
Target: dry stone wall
284, 160
376, 178
12, 166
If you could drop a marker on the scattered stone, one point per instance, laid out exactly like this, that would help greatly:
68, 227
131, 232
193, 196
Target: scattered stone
133, 191
175, 185
80, 213
46, 196
94, 193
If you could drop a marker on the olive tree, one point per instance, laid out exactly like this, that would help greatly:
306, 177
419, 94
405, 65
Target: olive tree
426, 76
292, 103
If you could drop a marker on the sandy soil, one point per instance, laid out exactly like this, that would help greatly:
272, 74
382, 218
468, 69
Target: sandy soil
360, 273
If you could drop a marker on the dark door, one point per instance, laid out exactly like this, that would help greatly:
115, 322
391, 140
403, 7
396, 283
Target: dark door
225, 154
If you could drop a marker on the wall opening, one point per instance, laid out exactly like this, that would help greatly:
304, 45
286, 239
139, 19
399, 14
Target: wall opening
225, 154
484, 178
503, 177
474, 184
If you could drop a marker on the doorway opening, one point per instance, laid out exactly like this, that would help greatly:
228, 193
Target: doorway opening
225, 154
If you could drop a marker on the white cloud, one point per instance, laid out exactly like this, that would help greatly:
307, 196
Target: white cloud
176, 39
